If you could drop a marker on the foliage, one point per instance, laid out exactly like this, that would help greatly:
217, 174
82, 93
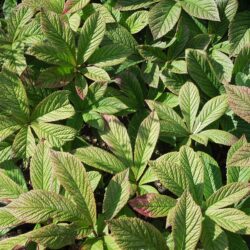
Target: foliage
124, 124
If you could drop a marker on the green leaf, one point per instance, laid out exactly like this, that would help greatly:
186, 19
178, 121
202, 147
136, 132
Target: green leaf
54, 107
212, 174
212, 236
145, 143
91, 36
8, 6
55, 134
17, 21
12, 242
73, 177
219, 136
171, 175
109, 106
239, 100
187, 223
194, 169
38, 206
227, 195
7, 219
239, 32
189, 100
7, 127
171, 123
163, 17
153, 205
201, 71
41, 168
56, 76
235, 241
242, 61
100, 159
120, 35
109, 55
24, 143
13, 97
151, 53
148, 177
126, 5
94, 178
96, 74
133, 233
230, 219
53, 236
59, 35
222, 65
116, 195
204, 9
9, 189
116, 137
211, 111
137, 21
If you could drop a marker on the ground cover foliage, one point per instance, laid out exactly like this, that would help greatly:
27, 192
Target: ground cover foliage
125, 124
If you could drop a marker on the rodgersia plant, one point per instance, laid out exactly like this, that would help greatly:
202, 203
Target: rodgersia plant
124, 124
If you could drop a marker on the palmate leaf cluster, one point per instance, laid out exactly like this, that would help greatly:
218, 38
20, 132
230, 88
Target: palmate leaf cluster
125, 124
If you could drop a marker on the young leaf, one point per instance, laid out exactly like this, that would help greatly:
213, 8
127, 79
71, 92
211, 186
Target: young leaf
153, 205
90, 38
204, 9
146, 140
116, 195
73, 177
189, 100
133, 233
163, 17
100, 159
116, 137
187, 223
55, 107
41, 168
230, 219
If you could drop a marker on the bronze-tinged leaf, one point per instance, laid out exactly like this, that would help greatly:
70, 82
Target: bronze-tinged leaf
152, 205
239, 101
